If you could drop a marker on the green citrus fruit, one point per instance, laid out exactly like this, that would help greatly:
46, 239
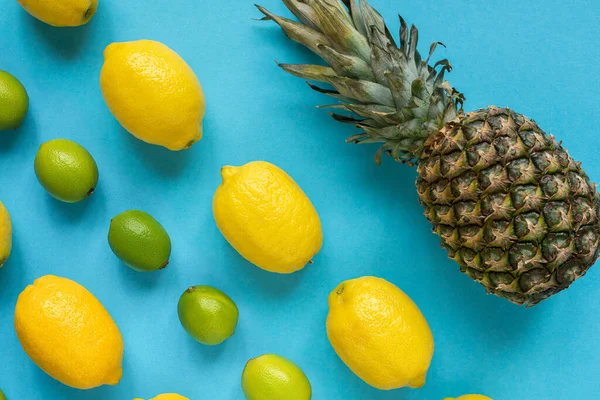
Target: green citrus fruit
2, 396
139, 241
275, 378
207, 314
14, 103
66, 170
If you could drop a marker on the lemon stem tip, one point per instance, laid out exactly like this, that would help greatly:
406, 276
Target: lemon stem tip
227, 171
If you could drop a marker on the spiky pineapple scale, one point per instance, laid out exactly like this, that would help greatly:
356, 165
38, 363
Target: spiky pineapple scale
509, 204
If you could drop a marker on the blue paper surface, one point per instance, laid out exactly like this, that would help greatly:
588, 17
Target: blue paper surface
540, 58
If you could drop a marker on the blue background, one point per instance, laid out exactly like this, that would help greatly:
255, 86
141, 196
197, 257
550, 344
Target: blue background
540, 58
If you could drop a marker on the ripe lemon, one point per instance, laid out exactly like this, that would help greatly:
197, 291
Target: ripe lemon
167, 396
267, 217
207, 314
66, 170
61, 12
153, 93
14, 102
470, 397
379, 333
139, 241
65, 330
272, 377
5, 234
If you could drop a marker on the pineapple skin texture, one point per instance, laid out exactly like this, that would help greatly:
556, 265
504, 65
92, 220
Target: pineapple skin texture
67, 332
509, 204
61, 13
267, 217
5, 235
153, 93
379, 333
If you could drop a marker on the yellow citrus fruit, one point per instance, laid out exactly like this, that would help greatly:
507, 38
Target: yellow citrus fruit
267, 217
153, 93
5, 234
167, 396
379, 333
470, 397
61, 12
67, 332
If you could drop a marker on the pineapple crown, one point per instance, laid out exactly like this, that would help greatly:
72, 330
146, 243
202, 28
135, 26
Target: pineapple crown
395, 96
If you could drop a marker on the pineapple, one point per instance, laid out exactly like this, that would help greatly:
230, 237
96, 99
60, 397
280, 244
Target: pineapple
510, 205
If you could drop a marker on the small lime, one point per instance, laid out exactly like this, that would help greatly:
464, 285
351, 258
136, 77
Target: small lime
139, 241
2, 396
275, 378
14, 103
207, 314
66, 170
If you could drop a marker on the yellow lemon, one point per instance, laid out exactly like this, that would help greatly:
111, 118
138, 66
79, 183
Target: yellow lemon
5, 235
267, 217
167, 396
65, 330
61, 12
153, 93
379, 333
470, 397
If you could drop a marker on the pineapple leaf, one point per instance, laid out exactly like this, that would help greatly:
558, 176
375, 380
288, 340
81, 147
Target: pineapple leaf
432, 48
382, 114
417, 88
302, 34
356, 138
400, 93
379, 115
328, 92
403, 35
345, 119
397, 97
335, 25
378, 154
371, 18
303, 12
413, 54
308, 71
346, 65
363, 91
357, 17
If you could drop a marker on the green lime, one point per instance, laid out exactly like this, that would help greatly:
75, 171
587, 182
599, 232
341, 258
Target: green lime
139, 241
2, 396
66, 170
207, 314
14, 103
275, 378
